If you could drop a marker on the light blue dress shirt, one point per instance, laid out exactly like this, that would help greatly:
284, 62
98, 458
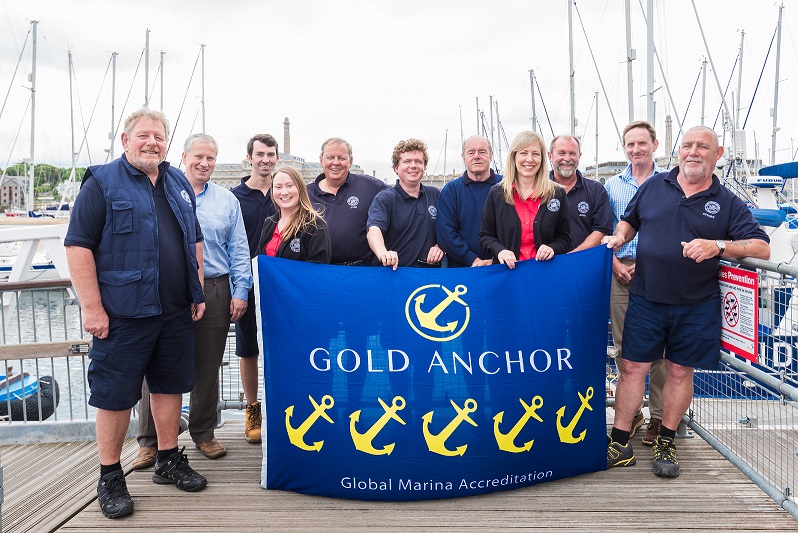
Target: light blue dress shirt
225, 248
620, 189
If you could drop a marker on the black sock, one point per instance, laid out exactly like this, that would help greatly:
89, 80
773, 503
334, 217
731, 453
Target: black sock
665, 432
164, 455
107, 469
620, 436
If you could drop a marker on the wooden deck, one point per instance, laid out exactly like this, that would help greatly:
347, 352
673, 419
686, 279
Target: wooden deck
710, 495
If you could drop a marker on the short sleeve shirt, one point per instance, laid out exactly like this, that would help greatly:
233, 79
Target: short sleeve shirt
664, 218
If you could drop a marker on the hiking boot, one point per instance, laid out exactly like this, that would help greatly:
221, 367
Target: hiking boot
212, 449
252, 423
112, 495
665, 463
145, 458
618, 454
638, 421
652, 431
176, 470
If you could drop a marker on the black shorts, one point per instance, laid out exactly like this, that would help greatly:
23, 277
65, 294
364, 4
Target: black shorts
688, 334
158, 348
247, 330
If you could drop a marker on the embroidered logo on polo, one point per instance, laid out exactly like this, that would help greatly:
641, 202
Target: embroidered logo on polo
553, 205
433, 211
353, 202
712, 207
185, 196
583, 207
294, 245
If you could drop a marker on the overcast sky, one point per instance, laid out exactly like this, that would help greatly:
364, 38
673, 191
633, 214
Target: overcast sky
376, 72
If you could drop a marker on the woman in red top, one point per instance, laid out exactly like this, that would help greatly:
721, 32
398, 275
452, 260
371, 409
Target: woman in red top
526, 213
298, 230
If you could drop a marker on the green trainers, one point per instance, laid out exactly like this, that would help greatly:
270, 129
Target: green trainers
618, 454
665, 463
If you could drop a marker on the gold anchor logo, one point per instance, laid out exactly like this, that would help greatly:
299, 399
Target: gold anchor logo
506, 441
437, 443
297, 435
363, 440
427, 321
567, 432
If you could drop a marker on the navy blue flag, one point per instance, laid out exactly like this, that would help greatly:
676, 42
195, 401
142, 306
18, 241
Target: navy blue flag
432, 383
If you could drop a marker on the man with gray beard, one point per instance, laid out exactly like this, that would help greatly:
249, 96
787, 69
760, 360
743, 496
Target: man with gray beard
591, 216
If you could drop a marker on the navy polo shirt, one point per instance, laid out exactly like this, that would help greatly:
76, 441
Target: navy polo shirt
665, 218
590, 209
346, 214
172, 276
256, 207
407, 223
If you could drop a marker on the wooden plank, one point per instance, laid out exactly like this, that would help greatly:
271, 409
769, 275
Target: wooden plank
46, 484
45, 350
710, 495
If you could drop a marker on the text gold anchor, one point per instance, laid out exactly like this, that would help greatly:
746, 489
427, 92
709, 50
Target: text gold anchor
297, 435
363, 440
506, 441
429, 319
567, 432
437, 443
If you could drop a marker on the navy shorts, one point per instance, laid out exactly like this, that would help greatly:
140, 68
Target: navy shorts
158, 348
688, 334
247, 330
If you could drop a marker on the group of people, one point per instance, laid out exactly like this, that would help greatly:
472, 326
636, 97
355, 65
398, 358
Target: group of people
160, 260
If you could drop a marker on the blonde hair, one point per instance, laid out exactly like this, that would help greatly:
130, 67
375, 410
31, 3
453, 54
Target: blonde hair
305, 218
543, 188
145, 112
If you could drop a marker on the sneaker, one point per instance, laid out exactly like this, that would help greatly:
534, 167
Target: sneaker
665, 463
638, 421
252, 423
113, 496
176, 470
212, 449
652, 431
145, 458
618, 454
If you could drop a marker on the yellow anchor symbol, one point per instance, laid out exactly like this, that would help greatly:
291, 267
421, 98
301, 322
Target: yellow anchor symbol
363, 440
437, 443
567, 432
428, 319
506, 441
297, 435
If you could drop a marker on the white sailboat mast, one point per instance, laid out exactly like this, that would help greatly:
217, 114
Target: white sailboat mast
776, 90
111, 134
29, 199
203, 87
147, 69
740, 81
71, 115
161, 68
650, 107
571, 65
534, 111
630, 56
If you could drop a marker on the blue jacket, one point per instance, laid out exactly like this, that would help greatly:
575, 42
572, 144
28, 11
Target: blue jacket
127, 255
460, 217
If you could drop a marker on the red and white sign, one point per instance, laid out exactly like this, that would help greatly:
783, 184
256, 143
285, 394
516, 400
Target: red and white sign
739, 290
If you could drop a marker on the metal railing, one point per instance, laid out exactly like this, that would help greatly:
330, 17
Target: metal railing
748, 412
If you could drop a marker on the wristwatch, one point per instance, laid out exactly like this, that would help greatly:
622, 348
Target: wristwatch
721, 246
